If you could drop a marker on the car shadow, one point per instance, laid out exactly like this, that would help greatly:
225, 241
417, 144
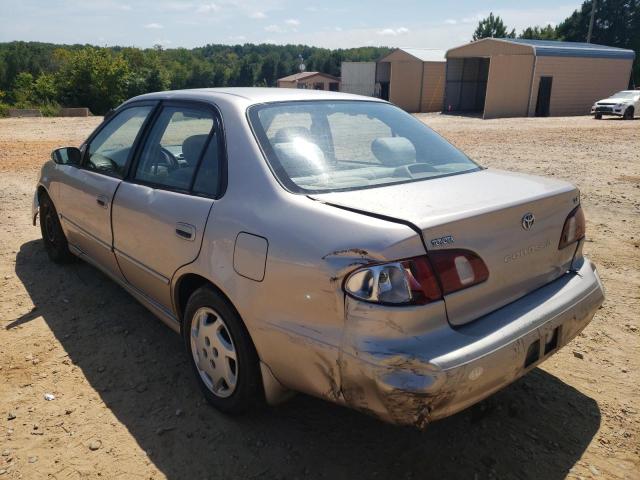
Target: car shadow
536, 428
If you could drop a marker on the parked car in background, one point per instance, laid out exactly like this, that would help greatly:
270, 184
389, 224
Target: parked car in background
625, 104
325, 243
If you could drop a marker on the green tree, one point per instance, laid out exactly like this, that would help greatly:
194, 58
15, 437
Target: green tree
540, 33
492, 27
94, 78
23, 89
44, 88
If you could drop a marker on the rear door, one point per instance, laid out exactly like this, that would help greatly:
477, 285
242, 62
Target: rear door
87, 192
161, 209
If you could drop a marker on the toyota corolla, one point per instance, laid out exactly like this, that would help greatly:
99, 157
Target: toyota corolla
323, 243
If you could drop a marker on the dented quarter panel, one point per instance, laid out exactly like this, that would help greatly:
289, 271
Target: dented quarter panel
434, 370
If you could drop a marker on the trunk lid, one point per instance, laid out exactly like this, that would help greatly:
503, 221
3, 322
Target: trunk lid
483, 212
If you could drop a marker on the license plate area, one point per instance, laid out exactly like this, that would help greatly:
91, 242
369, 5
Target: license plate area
542, 347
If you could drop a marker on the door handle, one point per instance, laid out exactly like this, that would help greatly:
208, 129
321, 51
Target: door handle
102, 201
185, 231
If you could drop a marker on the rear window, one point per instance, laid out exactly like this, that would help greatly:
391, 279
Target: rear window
324, 146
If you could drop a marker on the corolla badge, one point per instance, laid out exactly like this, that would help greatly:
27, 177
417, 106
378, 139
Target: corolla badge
528, 220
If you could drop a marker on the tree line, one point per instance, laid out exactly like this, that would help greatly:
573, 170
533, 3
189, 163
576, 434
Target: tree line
48, 76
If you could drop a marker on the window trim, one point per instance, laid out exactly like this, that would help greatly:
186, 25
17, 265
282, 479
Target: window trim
218, 128
87, 143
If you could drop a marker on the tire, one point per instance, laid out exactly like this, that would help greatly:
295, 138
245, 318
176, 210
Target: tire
221, 353
598, 116
628, 114
55, 242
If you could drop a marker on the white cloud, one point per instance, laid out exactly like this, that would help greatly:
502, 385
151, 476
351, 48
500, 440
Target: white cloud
162, 41
293, 22
257, 15
208, 8
450, 21
273, 29
393, 32
153, 26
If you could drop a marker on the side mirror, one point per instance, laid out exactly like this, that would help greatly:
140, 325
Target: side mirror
67, 156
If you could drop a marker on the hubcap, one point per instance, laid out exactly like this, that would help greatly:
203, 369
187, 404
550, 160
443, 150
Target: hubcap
213, 352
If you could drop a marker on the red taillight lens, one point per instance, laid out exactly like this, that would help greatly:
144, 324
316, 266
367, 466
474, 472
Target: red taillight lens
458, 269
422, 281
574, 228
413, 281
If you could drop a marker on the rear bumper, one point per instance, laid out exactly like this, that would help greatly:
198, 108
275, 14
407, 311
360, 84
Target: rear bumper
434, 375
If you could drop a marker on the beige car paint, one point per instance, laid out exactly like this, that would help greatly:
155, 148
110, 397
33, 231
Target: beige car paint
406, 365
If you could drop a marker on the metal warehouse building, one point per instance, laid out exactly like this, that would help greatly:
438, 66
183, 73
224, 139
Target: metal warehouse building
520, 77
413, 79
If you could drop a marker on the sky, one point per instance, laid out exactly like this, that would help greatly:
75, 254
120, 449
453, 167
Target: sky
323, 23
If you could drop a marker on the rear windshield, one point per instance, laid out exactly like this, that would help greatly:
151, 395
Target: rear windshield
325, 146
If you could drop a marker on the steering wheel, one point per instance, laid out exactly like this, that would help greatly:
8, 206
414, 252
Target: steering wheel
170, 159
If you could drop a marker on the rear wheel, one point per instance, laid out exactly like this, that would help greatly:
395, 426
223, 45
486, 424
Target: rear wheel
598, 116
628, 114
222, 354
55, 242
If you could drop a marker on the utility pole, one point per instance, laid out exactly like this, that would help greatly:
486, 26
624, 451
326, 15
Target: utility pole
593, 16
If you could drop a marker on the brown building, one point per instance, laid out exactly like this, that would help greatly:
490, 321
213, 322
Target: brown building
413, 79
520, 77
310, 80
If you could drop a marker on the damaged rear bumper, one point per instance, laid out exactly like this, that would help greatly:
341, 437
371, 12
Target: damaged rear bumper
424, 376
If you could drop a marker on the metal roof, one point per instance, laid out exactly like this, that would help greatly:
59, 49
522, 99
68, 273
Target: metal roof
554, 48
425, 54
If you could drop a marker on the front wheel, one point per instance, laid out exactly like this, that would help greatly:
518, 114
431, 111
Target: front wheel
222, 354
55, 242
628, 114
598, 116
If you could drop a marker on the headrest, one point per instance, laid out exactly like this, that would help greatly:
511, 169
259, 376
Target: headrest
192, 148
394, 151
288, 134
300, 158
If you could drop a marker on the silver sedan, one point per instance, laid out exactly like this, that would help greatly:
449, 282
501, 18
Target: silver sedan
324, 243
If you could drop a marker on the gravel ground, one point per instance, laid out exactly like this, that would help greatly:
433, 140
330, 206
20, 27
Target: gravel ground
125, 404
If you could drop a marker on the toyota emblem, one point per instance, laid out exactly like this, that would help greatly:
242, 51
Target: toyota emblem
528, 220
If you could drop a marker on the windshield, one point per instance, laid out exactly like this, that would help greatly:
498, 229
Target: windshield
323, 146
626, 94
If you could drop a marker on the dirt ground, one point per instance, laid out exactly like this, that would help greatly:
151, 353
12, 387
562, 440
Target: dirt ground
126, 405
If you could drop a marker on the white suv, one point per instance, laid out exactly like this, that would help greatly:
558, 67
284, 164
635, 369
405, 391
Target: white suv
623, 104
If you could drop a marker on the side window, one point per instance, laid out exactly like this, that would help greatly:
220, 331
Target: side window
208, 176
174, 146
109, 150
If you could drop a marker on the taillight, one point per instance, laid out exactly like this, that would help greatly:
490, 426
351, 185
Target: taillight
413, 281
574, 228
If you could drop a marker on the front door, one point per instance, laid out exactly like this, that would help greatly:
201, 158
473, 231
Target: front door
544, 97
161, 210
86, 194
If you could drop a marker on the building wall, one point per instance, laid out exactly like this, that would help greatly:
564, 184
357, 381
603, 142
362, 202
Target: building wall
358, 78
578, 82
508, 86
405, 83
489, 47
285, 84
433, 82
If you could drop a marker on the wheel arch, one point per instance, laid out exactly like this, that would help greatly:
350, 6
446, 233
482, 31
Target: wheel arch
185, 286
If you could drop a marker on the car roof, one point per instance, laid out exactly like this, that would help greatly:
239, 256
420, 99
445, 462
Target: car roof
251, 95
